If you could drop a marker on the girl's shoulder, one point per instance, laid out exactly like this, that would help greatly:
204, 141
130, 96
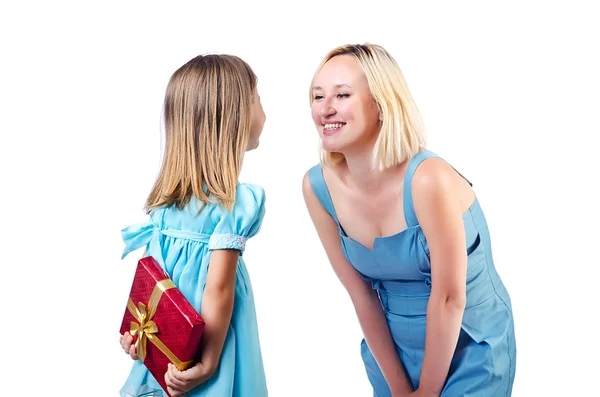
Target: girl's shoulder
249, 193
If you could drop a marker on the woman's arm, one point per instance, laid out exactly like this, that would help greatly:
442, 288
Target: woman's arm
366, 302
437, 202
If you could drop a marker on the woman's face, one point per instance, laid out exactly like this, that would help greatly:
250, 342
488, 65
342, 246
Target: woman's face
343, 109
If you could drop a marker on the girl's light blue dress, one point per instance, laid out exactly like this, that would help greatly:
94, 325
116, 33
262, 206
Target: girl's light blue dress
398, 267
181, 241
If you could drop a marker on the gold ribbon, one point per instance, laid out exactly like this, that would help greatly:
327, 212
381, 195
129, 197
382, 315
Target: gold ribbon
146, 329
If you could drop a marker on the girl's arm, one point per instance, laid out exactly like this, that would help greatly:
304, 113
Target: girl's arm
437, 202
217, 307
366, 302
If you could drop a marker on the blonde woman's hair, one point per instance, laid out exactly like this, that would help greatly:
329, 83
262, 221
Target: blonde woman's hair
207, 116
402, 133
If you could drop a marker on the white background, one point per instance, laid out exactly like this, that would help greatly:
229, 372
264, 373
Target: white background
510, 96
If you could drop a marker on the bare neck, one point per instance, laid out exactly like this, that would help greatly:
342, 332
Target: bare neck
361, 174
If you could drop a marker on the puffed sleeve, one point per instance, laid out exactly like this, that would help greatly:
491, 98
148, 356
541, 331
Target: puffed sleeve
234, 228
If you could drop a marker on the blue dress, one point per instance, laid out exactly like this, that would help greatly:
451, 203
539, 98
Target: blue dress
398, 267
181, 242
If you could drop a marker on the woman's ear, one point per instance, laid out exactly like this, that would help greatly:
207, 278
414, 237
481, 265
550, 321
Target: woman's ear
379, 112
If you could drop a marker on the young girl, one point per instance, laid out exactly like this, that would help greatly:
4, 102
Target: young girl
200, 219
406, 236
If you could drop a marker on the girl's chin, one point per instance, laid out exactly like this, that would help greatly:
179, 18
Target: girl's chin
252, 147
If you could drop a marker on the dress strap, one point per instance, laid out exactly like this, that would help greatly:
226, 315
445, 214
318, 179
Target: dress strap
409, 208
317, 181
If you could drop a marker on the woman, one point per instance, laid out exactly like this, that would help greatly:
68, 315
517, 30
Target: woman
406, 236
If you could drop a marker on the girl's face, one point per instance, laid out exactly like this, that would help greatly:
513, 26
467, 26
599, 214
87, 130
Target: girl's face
343, 110
258, 121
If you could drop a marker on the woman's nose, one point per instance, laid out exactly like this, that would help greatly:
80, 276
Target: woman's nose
327, 109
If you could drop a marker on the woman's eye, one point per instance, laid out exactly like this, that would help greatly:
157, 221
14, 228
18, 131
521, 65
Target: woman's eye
318, 97
343, 95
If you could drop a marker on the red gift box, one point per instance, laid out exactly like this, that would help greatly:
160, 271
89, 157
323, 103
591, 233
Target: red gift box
165, 326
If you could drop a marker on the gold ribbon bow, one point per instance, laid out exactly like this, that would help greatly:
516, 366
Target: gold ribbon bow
146, 329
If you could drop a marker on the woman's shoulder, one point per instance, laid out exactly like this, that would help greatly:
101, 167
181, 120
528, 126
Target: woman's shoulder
432, 172
436, 177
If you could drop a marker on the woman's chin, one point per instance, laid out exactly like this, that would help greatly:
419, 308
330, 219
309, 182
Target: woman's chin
330, 146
